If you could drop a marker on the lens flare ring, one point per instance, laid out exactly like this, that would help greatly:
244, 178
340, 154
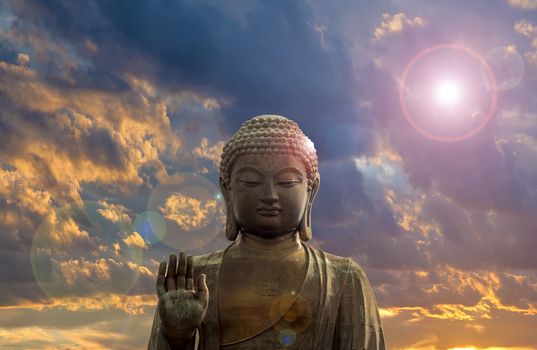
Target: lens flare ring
450, 91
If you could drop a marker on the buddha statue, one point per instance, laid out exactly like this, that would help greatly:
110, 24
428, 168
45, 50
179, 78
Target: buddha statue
268, 289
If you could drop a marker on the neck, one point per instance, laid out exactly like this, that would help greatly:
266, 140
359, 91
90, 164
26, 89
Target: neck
282, 245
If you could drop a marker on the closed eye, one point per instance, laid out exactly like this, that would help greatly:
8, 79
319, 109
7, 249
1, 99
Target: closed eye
250, 183
290, 183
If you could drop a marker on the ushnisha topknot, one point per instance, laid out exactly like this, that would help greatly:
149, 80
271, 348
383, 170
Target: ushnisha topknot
269, 134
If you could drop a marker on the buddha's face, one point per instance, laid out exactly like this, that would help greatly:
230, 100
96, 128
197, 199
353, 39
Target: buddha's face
268, 193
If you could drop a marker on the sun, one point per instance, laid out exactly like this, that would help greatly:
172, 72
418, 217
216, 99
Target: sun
448, 92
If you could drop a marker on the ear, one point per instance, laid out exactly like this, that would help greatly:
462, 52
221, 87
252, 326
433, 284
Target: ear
304, 228
232, 228
314, 189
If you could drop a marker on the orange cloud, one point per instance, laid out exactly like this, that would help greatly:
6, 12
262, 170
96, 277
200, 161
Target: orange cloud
74, 269
188, 212
61, 234
92, 136
135, 240
114, 212
130, 304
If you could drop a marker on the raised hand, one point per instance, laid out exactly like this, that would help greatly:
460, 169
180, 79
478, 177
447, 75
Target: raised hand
181, 307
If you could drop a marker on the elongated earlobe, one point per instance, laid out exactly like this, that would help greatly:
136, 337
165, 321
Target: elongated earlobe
232, 228
304, 228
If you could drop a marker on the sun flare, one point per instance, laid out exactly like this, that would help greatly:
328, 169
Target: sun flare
448, 92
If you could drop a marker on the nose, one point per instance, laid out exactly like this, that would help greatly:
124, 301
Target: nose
270, 195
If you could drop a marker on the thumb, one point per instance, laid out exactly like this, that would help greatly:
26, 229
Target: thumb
202, 290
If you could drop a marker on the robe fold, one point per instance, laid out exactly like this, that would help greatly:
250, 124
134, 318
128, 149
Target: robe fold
342, 310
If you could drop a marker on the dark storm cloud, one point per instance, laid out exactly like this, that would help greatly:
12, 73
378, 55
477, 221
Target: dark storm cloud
352, 222
269, 59
481, 239
102, 149
518, 289
341, 192
17, 226
17, 279
94, 143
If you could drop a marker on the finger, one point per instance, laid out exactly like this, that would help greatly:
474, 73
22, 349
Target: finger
170, 276
189, 273
181, 270
161, 278
203, 292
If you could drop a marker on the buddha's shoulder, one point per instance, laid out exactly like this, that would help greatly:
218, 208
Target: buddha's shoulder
213, 258
339, 264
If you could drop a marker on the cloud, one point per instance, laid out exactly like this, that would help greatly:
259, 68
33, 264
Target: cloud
73, 251
28, 335
62, 134
264, 55
83, 277
450, 293
463, 302
129, 304
353, 218
70, 326
447, 231
529, 30
135, 240
23, 59
187, 212
396, 23
15, 192
413, 332
75, 269
205, 151
66, 138
114, 212
526, 28
524, 4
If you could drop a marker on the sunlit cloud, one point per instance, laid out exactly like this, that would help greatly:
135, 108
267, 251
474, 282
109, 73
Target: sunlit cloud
118, 330
25, 335
526, 28
134, 239
114, 212
23, 59
72, 269
188, 212
130, 304
62, 233
529, 30
126, 141
206, 151
391, 24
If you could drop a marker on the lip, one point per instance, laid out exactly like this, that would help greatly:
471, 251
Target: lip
268, 211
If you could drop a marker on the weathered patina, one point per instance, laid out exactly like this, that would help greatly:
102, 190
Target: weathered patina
268, 289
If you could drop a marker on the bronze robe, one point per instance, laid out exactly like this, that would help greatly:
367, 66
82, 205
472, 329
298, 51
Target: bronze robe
343, 309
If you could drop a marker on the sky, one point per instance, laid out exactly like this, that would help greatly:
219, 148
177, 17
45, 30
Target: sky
113, 116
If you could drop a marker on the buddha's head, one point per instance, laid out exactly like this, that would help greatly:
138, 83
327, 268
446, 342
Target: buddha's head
269, 178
